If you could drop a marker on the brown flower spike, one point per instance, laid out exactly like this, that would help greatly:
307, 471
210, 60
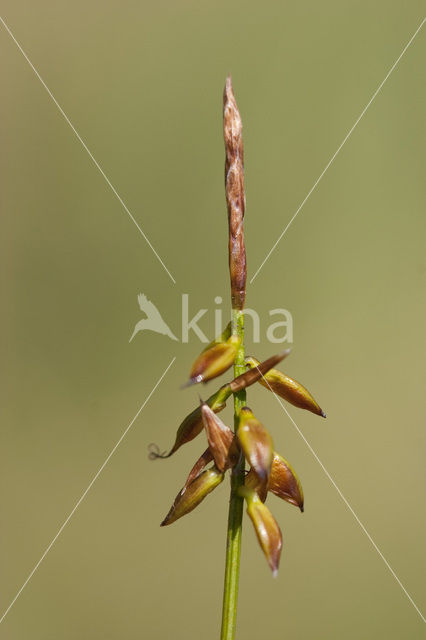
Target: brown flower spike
248, 451
235, 197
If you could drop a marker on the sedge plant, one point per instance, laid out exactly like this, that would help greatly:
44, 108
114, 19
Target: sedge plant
246, 452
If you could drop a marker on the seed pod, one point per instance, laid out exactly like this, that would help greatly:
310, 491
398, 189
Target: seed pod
214, 361
192, 425
253, 375
283, 482
235, 196
221, 439
256, 444
191, 496
266, 527
202, 462
287, 388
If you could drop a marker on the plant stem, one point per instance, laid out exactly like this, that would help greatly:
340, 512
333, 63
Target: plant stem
235, 517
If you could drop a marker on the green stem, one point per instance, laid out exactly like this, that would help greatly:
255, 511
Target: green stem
235, 517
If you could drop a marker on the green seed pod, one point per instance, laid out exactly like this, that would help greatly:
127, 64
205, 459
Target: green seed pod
266, 527
256, 444
287, 388
283, 482
194, 493
214, 361
221, 439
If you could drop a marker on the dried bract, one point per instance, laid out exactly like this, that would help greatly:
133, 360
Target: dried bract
221, 439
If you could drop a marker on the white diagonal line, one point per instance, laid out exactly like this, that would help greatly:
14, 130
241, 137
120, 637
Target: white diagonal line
95, 162
346, 502
84, 494
353, 513
339, 148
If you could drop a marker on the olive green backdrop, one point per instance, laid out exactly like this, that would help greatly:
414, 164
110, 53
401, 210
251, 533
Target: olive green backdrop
142, 84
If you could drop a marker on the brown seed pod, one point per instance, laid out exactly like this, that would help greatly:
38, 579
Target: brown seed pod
257, 445
192, 494
266, 527
192, 425
253, 375
202, 462
214, 361
283, 482
287, 388
221, 439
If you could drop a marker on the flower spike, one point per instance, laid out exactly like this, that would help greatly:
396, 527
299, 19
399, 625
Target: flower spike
235, 196
247, 451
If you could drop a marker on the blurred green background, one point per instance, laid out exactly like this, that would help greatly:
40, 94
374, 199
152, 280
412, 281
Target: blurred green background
142, 83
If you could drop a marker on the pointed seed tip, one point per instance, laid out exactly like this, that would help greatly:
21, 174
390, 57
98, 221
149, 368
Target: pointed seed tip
323, 414
275, 573
191, 382
284, 354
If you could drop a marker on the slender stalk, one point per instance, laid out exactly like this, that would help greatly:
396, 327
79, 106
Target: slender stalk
235, 517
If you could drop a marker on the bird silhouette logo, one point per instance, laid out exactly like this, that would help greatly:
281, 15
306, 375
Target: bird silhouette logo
153, 321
